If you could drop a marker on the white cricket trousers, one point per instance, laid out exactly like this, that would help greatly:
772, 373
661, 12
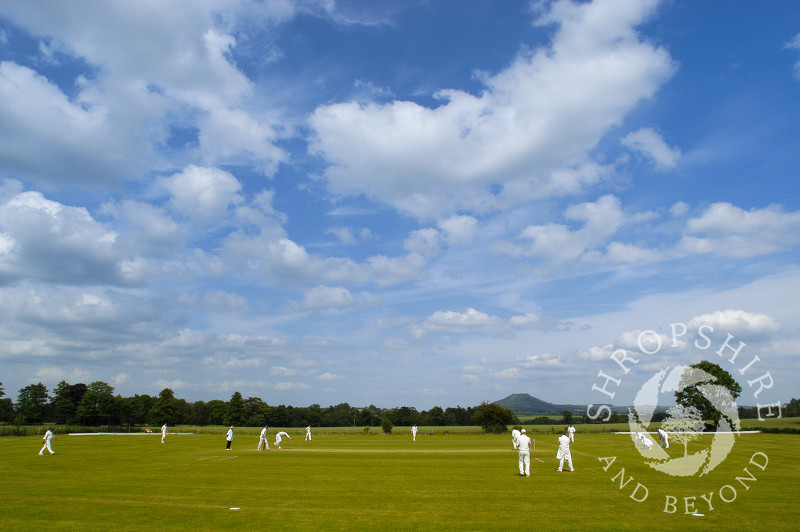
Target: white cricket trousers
525, 463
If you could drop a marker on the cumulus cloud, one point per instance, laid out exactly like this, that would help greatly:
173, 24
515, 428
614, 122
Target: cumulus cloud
326, 297
543, 360
45, 240
85, 142
328, 377
133, 90
736, 322
202, 193
726, 230
649, 143
459, 230
527, 132
559, 243
619, 253
524, 321
679, 208
471, 320
597, 353
282, 371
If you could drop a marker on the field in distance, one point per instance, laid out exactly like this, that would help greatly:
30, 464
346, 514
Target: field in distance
458, 480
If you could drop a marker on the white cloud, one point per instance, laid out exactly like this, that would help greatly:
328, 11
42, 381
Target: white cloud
533, 125
424, 242
619, 253
202, 193
543, 360
650, 143
45, 240
327, 297
679, 208
225, 301
524, 321
53, 374
282, 371
149, 66
558, 243
328, 377
737, 322
459, 229
461, 322
794, 44
597, 353
726, 230
289, 386
174, 385
345, 235
228, 135
87, 143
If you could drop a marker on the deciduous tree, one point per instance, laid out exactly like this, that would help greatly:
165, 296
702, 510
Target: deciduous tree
711, 395
493, 417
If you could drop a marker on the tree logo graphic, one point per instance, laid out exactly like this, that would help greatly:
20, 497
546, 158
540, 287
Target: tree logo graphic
685, 423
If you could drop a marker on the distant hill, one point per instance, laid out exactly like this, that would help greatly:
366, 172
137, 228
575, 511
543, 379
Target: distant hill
523, 403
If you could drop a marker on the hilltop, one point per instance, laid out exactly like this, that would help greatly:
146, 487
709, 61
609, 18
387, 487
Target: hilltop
523, 403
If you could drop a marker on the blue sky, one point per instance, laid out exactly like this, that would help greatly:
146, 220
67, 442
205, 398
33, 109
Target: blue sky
398, 203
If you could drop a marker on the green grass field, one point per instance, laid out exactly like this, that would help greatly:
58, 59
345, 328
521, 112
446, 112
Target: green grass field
353, 481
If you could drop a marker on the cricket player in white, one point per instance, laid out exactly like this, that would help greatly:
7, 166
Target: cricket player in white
564, 452
229, 439
163, 432
278, 437
514, 435
524, 448
308, 433
662, 434
48, 437
414, 432
646, 442
571, 431
262, 441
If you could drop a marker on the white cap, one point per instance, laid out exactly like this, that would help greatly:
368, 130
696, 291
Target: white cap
523, 430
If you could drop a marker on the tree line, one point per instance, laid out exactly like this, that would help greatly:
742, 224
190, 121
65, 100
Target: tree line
96, 405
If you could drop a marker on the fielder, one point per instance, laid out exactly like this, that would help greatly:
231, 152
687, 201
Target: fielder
163, 432
571, 431
229, 439
262, 441
308, 433
524, 448
48, 437
514, 435
646, 443
414, 432
564, 453
278, 437
664, 437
